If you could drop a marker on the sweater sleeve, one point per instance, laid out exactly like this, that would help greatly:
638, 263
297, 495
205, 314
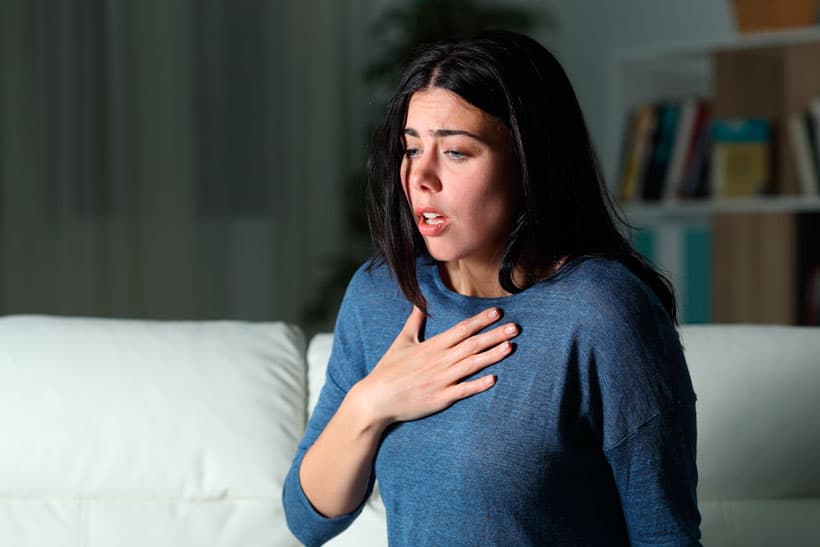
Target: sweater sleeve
646, 414
656, 477
345, 367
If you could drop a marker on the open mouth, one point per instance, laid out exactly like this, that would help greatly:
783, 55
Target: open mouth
432, 218
431, 222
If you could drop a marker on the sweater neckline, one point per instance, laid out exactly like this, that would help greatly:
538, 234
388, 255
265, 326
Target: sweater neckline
453, 295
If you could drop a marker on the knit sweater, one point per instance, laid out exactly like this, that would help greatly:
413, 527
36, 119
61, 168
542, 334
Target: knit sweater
587, 437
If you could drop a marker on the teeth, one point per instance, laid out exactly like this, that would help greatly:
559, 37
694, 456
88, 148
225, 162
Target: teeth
432, 218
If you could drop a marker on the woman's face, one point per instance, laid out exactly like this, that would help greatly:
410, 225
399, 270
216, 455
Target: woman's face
459, 177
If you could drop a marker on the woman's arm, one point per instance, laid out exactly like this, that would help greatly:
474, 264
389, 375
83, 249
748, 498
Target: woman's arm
414, 379
656, 476
644, 409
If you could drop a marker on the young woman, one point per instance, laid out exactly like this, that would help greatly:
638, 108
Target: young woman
507, 365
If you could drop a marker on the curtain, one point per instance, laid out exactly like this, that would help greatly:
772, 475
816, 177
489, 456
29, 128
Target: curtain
175, 159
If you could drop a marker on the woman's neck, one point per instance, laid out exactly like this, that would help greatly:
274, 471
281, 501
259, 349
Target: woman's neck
481, 280
471, 279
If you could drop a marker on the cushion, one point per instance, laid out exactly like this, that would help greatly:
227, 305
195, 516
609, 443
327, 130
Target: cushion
128, 432
758, 437
370, 528
757, 389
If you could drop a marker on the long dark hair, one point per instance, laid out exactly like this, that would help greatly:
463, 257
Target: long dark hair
567, 210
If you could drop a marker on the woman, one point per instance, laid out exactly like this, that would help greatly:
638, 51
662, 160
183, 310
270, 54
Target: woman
570, 422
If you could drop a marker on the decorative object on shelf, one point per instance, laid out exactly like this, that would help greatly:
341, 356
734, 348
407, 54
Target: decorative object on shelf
741, 157
761, 15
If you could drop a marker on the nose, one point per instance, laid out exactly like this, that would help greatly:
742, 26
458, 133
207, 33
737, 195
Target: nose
421, 173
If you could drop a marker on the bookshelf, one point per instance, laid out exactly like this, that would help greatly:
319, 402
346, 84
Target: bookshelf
744, 260
636, 75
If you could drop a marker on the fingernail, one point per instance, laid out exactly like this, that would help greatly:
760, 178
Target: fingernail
493, 313
510, 329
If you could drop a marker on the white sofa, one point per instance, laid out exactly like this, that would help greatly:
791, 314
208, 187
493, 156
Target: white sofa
120, 433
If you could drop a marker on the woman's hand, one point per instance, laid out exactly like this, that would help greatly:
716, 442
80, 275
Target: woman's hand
415, 379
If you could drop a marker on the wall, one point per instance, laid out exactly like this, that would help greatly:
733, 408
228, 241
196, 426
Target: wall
116, 116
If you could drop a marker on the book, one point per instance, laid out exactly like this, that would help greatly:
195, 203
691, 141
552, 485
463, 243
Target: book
696, 166
627, 162
811, 121
741, 157
625, 147
811, 134
803, 155
680, 149
646, 145
813, 112
660, 156
634, 163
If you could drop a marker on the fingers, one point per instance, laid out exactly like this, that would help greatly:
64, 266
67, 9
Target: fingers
466, 389
480, 342
474, 363
412, 327
464, 329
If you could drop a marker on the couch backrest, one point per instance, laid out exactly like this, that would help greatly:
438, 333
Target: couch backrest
758, 391
120, 433
370, 528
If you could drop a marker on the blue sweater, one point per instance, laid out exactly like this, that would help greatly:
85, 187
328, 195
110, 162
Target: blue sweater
587, 438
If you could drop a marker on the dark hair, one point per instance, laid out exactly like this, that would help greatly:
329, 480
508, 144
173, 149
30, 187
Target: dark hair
567, 210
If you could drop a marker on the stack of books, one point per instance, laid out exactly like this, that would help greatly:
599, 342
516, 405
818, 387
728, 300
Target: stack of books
677, 150
666, 151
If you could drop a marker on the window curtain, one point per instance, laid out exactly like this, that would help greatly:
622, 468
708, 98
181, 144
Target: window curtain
174, 159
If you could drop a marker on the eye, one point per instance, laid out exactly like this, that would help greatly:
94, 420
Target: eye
411, 152
455, 154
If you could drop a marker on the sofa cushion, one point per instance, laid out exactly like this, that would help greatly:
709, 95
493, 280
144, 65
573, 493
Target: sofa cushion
114, 427
318, 354
370, 527
757, 389
758, 439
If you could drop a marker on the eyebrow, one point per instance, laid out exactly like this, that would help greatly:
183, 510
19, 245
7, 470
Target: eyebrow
444, 133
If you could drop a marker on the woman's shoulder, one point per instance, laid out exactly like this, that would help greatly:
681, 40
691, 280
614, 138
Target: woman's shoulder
619, 319
597, 280
372, 281
604, 291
